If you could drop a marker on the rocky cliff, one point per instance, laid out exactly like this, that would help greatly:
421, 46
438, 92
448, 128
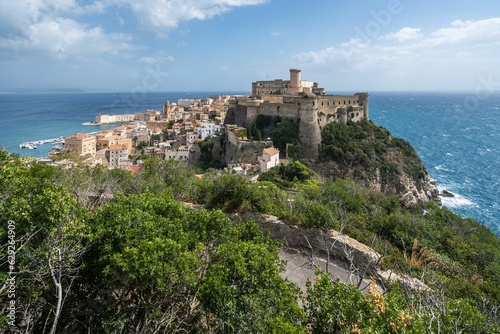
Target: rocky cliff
370, 155
331, 246
410, 190
361, 151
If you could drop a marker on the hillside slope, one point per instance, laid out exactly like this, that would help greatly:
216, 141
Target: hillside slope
368, 154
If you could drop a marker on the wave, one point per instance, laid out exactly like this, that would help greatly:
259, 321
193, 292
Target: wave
441, 168
457, 202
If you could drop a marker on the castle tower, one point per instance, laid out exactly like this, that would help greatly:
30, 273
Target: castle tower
343, 115
363, 101
309, 131
167, 110
295, 85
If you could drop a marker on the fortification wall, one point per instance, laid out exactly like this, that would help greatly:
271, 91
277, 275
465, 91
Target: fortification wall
247, 152
340, 108
279, 109
309, 130
311, 111
236, 114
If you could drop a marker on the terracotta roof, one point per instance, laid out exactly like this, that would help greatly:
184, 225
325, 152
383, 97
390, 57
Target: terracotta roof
271, 151
117, 147
80, 136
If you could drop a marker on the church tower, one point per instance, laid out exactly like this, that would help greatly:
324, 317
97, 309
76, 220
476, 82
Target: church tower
167, 110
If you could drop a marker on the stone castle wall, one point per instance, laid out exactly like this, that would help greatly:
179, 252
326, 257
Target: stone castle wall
310, 111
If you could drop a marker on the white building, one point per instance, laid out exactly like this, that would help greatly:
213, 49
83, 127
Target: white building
186, 103
118, 156
205, 129
270, 158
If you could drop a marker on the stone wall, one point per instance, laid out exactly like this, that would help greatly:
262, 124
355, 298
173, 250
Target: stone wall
237, 151
311, 112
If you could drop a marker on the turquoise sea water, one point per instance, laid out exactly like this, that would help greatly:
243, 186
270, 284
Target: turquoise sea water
456, 134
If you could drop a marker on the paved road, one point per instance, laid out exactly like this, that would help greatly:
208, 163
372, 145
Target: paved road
299, 268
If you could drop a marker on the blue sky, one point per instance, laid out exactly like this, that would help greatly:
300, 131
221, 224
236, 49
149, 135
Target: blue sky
224, 45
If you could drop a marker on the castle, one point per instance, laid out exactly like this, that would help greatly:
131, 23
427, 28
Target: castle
301, 101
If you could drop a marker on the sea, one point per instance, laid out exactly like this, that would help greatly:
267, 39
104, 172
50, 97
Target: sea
456, 134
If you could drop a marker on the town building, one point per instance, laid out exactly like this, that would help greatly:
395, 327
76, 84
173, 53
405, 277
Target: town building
81, 143
187, 103
205, 130
179, 153
110, 119
270, 158
118, 156
106, 139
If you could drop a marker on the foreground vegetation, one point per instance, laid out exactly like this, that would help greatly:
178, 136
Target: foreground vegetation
106, 251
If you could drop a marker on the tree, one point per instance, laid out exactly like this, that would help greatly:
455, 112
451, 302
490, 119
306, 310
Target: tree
243, 292
285, 133
157, 266
48, 243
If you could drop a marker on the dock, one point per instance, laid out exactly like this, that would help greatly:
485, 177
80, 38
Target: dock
33, 144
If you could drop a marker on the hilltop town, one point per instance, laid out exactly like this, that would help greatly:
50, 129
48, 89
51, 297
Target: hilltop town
157, 239
179, 129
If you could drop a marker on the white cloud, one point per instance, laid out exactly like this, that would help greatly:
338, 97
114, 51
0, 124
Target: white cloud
467, 32
52, 27
404, 34
63, 37
341, 52
147, 60
467, 38
277, 33
161, 16
455, 53
160, 58
40, 28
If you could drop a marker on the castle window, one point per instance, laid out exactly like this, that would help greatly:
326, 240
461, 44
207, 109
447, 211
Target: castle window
321, 103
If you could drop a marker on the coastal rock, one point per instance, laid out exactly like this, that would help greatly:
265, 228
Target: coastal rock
411, 191
446, 193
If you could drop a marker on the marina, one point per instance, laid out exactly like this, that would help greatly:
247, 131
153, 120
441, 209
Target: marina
33, 144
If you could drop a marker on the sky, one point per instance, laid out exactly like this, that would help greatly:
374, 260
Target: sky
225, 45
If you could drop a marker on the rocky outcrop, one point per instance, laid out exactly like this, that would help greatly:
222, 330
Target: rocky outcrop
331, 246
410, 190
418, 192
446, 193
